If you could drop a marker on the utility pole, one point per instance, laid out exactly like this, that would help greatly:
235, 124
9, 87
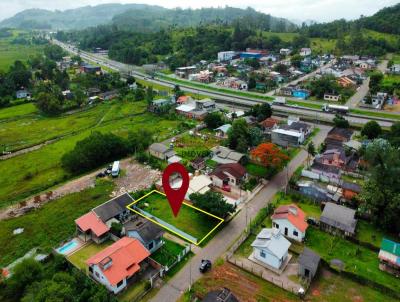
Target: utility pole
190, 271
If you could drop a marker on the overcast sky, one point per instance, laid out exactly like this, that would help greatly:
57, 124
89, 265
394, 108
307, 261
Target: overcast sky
318, 10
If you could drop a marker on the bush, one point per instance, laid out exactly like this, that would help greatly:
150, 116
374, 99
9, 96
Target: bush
94, 151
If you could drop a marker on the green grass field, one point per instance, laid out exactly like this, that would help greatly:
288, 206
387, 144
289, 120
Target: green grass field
189, 220
17, 112
49, 225
167, 254
256, 170
10, 52
36, 171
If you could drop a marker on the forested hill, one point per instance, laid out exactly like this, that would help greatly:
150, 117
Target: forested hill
386, 20
152, 20
141, 18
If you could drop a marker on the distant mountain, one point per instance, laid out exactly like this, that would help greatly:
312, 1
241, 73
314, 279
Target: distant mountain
69, 19
140, 17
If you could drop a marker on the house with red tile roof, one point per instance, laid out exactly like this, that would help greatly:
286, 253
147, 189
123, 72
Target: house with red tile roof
226, 175
291, 221
117, 265
90, 227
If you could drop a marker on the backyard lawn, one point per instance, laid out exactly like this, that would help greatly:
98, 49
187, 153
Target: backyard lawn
168, 252
49, 225
256, 170
79, 257
189, 220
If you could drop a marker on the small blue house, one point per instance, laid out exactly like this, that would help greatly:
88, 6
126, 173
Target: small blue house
250, 55
301, 93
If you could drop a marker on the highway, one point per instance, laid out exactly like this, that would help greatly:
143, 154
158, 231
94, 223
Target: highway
232, 101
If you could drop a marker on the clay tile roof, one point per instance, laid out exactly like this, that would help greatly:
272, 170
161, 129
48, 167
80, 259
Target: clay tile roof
269, 122
120, 260
90, 221
235, 169
293, 214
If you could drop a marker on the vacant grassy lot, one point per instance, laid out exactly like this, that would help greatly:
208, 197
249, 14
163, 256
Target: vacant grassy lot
80, 257
189, 220
49, 225
190, 147
36, 171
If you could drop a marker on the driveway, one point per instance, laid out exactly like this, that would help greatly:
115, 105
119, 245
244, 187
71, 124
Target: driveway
175, 287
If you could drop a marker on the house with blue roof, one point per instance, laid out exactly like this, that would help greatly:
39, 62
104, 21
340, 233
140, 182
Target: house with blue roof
389, 256
271, 249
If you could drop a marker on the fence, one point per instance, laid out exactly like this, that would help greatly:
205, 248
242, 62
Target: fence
262, 274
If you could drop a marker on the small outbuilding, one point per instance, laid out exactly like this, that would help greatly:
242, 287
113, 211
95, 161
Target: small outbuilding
308, 264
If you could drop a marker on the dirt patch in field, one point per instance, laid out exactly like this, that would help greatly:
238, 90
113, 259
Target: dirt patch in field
231, 277
134, 177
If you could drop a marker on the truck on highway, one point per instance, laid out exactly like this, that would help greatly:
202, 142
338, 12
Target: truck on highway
115, 169
335, 108
279, 100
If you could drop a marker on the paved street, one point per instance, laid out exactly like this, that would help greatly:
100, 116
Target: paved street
175, 287
364, 88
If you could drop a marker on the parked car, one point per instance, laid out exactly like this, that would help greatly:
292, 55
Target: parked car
101, 175
312, 221
205, 265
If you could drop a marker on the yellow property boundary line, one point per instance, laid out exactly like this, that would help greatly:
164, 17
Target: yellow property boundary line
167, 228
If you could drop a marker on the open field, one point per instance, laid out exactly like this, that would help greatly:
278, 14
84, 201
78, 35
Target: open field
11, 52
28, 129
36, 171
79, 257
49, 225
18, 111
189, 220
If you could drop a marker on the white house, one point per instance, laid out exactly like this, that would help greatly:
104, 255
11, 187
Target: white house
290, 221
115, 265
226, 55
286, 138
285, 51
271, 248
304, 52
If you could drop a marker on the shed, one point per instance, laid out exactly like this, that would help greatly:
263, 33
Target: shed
308, 263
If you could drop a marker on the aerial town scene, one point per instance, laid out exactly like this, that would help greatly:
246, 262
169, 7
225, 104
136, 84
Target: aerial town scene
186, 151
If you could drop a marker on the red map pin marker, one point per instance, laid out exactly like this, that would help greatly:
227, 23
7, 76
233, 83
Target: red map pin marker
175, 196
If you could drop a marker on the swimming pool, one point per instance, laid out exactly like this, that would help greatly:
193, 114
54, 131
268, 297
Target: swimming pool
68, 247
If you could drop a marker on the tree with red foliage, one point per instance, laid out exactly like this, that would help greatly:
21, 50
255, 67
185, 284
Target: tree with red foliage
269, 155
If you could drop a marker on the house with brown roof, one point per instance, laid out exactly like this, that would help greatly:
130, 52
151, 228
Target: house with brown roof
117, 265
269, 124
226, 175
290, 220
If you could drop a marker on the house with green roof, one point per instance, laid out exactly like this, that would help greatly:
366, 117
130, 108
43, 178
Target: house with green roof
389, 256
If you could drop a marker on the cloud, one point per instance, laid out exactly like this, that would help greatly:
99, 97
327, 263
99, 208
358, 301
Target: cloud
319, 10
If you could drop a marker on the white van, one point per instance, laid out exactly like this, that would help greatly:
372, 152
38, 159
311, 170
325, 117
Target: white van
115, 169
